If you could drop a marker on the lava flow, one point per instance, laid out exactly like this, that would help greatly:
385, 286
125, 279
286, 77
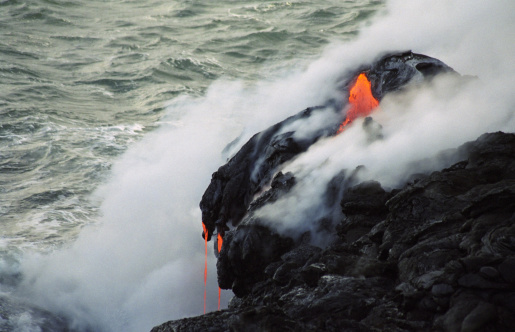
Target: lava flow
219, 242
361, 100
205, 266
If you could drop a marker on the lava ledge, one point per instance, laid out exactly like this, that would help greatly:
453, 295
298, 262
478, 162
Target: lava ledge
234, 185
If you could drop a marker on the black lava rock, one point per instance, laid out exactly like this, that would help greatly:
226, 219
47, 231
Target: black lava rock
438, 254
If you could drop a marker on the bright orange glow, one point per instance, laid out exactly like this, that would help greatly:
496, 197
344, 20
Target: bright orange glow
361, 100
219, 294
205, 266
220, 242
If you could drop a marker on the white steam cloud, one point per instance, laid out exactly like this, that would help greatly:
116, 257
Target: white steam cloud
143, 263
423, 120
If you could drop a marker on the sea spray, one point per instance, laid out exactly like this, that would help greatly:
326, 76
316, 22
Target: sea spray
143, 262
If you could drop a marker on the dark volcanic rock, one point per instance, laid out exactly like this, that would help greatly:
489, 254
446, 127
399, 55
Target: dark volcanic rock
235, 184
245, 254
438, 254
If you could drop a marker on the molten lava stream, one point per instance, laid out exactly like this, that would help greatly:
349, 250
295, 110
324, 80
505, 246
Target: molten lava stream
220, 242
205, 266
361, 100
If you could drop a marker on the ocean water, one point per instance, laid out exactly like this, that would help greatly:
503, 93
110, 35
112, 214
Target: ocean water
113, 115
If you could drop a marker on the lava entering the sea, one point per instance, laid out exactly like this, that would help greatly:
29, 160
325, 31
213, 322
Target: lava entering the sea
220, 241
361, 100
205, 266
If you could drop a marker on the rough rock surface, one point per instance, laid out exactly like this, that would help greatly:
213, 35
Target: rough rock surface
437, 254
235, 184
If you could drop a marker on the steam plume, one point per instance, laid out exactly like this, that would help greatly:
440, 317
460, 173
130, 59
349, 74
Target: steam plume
421, 121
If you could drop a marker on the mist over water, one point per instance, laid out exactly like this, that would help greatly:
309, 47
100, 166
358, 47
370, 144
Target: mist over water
142, 263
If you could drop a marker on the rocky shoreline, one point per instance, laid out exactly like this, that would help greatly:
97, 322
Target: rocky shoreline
437, 254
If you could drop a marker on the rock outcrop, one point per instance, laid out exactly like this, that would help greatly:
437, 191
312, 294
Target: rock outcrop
437, 254
235, 184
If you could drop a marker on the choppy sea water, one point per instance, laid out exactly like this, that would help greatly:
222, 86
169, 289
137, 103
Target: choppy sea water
81, 82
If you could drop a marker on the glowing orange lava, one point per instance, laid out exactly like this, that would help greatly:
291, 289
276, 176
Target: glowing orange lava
361, 100
205, 266
220, 242
219, 294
